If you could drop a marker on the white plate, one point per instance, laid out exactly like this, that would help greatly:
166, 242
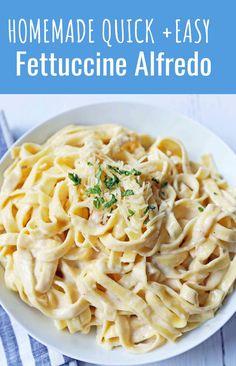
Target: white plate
141, 118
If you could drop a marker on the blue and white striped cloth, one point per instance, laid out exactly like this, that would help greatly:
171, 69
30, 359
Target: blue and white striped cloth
17, 348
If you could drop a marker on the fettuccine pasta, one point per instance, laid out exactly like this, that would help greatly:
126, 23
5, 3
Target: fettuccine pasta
103, 228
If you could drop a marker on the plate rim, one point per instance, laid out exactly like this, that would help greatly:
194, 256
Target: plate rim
127, 104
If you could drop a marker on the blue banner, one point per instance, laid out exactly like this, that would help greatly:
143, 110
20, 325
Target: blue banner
118, 46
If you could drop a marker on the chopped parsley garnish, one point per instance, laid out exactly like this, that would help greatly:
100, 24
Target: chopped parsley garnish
114, 168
149, 207
99, 174
74, 178
111, 182
146, 220
89, 164
215, 193
97, 202
164, 184
135, 172
94, 190
128, 192
131, 213
201, 209
110, 203
155, 180
124, 172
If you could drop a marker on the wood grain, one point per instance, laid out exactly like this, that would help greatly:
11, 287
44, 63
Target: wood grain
229, 335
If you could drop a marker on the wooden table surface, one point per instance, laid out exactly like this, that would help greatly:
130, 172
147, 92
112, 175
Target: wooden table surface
218, 112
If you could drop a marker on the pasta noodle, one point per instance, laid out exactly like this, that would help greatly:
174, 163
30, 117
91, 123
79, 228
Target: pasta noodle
102, 227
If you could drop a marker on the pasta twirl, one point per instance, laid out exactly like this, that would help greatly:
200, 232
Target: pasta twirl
102, 227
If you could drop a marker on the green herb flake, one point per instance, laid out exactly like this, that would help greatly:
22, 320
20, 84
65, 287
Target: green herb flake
124, 172
74, 178
128, 192
97, 202
111, 182
94, 190
136, 172
146, 221
155, 180
149, 207
99, 174
114, 169
89, 164
201, 209
215, 193
131, 213
110, 203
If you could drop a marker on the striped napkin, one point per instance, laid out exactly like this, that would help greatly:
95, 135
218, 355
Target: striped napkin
17, 348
